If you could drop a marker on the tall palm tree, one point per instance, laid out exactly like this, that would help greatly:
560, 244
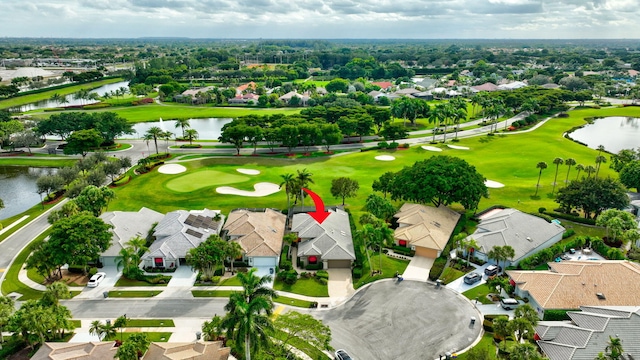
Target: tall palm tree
459, 112
124, 260
56, 97
447, 114
154, 133
614, 348
303, 179
557, 161
190, 134
569, 162
579, 167
55, 292
183, 123
470, 243
599, 160
289, 182
600, 149
234, 250
541, 165
507, 253
589, 170
248, 320
367, 234
501, 328
435, 116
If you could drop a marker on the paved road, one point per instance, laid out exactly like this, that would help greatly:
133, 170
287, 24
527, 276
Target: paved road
409, 320
146, 308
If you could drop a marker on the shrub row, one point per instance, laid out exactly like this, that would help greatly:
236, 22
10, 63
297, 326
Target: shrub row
403, 250
437, 268
556, 315
569, 217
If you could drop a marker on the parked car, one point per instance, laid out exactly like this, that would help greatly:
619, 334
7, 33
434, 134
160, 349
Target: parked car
342, 355
96, 279
492, 270
472, 278
509, 303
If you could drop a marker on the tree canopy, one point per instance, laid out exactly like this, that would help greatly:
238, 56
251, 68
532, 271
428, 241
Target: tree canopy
592, 196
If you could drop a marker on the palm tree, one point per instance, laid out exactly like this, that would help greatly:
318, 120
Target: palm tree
124, 261
507, 253
470, 243
166, 135
614, 348
600, 149
541, 165
557, 161
55, 292
102, 331
289, 183
599, 160
501, 328
56, 97
234, 250
120, 323
154, 133
589, 170
447, 113
367, 233
182, 123
303, 179
459, 112
495, 254
248, 320
579, 167
569, 162
435, 116
190, 134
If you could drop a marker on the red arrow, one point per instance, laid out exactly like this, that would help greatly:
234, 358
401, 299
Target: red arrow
319, 215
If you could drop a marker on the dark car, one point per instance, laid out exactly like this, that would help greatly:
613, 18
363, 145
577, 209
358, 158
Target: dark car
492, 270
342, 355
472, 278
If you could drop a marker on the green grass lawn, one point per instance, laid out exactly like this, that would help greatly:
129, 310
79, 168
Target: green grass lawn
479, 292
152, 336
389, 268
11, 282
27, 99
150, 323
308, 287
449, 274
40, 160
133, 294
232, 281
212, 293
305, 347
485, 343
76, 323
292, 302
130, 282
203, 178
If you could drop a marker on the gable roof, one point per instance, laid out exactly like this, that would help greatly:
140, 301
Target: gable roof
523, 232
571, 284
259, 233
561, 340
246, 86
332, 239
426, 226
127, 225
181, 230
76, 351
384, 85
199, 350
486, 87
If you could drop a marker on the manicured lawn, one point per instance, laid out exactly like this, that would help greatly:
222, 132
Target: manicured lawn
130, 282
33, 213
11, 282
389, 268
479, 292
152, 336
150, 323
197, 180
485, 343
584, 230
232, 281
296, 342
308, 287
212, 293
26, 99
292, 302
133, 294
39, 160
449, 274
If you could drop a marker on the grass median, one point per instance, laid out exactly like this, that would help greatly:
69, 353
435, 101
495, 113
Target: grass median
133, 294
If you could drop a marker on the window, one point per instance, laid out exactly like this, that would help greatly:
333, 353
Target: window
159, 262
313, 260
402, 242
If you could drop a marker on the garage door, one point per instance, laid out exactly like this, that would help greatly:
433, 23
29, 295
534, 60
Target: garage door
333, 264
430, 253
264, 261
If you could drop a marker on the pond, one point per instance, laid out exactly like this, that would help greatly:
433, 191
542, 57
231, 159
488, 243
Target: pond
614, 133
208, 129
45, 104
18, 188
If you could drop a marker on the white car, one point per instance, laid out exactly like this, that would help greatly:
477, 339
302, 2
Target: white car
96, 279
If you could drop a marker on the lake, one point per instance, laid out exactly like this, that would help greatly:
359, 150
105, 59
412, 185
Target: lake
46, 104
614, 133
18, 188
208, 129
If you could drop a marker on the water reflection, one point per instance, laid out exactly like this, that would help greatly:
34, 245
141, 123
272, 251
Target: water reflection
614, 133
18, 188
45, 104
208, 129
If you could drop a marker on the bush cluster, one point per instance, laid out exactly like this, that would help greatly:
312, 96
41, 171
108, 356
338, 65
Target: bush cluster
288, 277
529, 120
403, 250
437, 268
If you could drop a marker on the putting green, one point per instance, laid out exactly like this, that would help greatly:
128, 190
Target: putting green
201, 179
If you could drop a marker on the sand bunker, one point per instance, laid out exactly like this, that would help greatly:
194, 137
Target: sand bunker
385, 158
248, 171
458, 147
171, 169
431, 148
493, 184
261, 189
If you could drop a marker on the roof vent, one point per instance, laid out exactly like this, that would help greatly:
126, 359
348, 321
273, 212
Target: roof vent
601, 296
529, 239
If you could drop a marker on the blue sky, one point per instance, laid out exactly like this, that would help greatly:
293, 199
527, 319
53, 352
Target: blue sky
417, 19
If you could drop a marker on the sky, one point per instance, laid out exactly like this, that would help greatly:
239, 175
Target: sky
323, 19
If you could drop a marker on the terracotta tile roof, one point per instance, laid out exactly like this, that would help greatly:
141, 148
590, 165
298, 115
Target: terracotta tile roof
425, 226
571, 284
486, 87
383, 84
258, 233
200, 350
244, 87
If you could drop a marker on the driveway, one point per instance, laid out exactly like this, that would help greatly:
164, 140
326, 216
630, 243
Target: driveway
105, 285
418, 268
406, 320
340, 285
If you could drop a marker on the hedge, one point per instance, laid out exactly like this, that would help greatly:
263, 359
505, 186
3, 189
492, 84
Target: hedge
314, 266
437, 268
403, 250
573, 218
557, 314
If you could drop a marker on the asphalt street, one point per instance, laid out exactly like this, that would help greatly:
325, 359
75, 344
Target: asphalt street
146, 308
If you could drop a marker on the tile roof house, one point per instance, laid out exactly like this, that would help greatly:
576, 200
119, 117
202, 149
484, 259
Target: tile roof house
248, 86
384, 85
486, 87
304, 98
588, 332
200, 350
329, 243
127, 225
426, 229
259, 234
526, 234
571, 284
178, 232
